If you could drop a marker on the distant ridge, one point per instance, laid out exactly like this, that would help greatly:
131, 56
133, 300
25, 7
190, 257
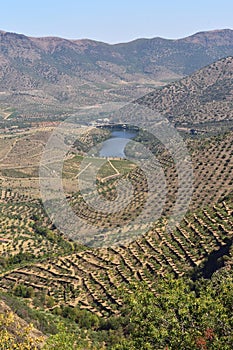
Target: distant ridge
56, 74
217, 37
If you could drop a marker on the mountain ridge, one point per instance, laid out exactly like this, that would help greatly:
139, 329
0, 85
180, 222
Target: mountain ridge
188, 37
52, 74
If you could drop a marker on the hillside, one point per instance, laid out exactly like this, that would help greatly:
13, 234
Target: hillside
45, 75
90, 278
203, 97
16, 332
133, 286
93, 279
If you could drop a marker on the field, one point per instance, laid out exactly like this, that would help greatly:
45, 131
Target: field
131, 253
93, 279
35, 255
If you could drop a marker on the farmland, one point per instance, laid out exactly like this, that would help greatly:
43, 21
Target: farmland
91, 278
162, 253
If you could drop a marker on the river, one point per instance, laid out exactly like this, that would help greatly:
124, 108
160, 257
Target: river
115, 145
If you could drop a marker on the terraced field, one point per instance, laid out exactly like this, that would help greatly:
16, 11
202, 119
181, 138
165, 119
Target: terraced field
212, 163
26, 232
212, 181
93, 279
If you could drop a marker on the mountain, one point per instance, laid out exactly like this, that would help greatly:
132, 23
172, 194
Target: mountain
42, 75
181, 56
205, 96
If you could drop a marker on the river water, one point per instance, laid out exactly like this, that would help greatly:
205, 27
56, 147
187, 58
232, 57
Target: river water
115, 145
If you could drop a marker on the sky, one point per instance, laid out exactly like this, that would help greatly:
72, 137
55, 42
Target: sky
114, 21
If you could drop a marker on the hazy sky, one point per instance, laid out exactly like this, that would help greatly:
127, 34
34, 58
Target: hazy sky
114, 20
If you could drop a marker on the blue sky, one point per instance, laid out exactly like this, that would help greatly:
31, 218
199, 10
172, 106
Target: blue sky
116, 20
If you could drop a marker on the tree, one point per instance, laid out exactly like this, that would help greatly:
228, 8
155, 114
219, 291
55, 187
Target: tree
178, 317
14, 335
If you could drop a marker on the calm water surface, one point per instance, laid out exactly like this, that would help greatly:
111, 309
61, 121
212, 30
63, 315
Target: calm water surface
115, 146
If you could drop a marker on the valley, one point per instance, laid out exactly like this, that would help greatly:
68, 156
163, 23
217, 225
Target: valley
97, 287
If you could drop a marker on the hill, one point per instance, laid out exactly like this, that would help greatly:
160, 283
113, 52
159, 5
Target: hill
93, 279
90, 278
54, 75
203, 97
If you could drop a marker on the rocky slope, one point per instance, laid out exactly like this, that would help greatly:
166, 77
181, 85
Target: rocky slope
205, 96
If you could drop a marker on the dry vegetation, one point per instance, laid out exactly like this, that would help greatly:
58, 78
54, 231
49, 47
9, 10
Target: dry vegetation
51, 270
204, 96
26, 232
57, 275
55, 76
93, 279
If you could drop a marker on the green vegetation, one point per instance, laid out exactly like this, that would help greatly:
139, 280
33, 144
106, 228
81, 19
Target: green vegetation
182, 314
